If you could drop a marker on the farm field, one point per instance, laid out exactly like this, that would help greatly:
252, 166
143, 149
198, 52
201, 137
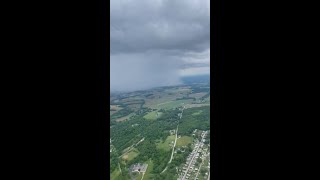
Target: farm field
197, 95
153, 115
114, 109
173, 104
184, 140
197, 113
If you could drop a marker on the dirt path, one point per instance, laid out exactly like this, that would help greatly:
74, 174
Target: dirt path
175, 142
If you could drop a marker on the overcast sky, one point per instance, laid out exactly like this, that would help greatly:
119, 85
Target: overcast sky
156, 42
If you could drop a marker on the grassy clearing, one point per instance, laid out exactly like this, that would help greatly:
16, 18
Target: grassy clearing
130, 155
165, 145
152, 103
148, 174
153, 115
184, 140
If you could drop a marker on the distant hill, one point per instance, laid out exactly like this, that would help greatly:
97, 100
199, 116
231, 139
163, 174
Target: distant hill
196, 79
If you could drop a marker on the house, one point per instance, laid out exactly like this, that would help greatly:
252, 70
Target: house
139, 168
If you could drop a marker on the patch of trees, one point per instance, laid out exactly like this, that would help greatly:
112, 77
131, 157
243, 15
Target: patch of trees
179, 158
205, 96
189, 122
140, 101
148, 95
161, 159
186, 98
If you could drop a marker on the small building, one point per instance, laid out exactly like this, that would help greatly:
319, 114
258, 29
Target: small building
139, 168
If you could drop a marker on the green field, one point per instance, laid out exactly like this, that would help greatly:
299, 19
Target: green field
197, 95
173, 104
184, 140
165, 145
152, 115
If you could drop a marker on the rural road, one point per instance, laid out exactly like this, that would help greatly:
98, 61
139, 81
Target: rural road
175, 141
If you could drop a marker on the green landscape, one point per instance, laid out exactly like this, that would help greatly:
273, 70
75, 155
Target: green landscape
160, 129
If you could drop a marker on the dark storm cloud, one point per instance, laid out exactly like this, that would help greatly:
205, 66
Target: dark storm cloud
150, 40
141, 25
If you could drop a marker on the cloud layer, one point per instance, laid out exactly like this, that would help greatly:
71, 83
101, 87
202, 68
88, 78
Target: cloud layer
153, 43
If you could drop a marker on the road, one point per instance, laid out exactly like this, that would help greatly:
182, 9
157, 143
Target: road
184, 176
175, 141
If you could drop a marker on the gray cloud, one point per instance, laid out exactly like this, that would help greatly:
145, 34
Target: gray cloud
150, 40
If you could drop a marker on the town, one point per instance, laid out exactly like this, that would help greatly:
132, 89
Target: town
197, 161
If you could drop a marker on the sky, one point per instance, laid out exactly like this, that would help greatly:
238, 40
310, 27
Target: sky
156, 42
